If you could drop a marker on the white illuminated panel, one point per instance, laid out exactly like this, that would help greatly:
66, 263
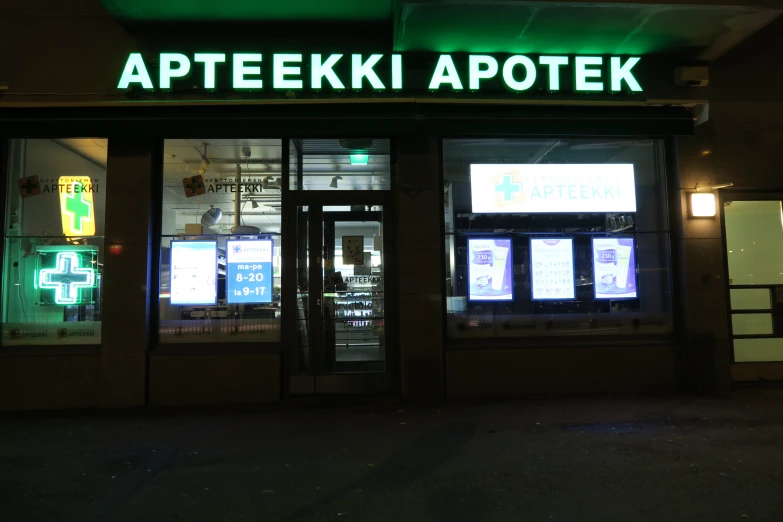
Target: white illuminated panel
550, 188
552, 268
614, 268
490, 269
703, 205
194, 272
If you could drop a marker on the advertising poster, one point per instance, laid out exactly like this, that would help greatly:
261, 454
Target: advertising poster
552, 268
490, 270
548, 188
194, 272
249, 271
353, 250
614, 268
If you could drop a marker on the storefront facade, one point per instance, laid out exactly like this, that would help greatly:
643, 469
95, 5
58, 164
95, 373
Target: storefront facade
190, 221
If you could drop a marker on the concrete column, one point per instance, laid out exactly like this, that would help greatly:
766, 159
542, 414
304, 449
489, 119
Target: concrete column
420, 268
130, 194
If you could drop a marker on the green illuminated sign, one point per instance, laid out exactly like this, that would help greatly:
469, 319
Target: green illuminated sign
66, 275
516, 73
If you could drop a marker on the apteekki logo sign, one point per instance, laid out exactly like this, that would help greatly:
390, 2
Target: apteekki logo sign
379, 73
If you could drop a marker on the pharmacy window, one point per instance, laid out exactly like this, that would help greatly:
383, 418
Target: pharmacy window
552, 237
54, 232
220, 241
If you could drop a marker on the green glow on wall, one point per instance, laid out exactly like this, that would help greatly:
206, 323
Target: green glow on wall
445, 72
584, 69
135, 72
361, 70
360, 159
530, 73
320, 70
554, 63
621, 72
167, 73
480, 67
281, 70
68, 277
241, 70
210, 61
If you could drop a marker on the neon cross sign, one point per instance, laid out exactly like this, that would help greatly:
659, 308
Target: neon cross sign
67, 278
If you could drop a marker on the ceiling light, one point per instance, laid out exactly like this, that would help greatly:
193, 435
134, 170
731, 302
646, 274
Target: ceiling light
211, 216
360, 159
333, 184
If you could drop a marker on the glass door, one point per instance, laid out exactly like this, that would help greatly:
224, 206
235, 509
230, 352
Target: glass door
342, 321
754, 252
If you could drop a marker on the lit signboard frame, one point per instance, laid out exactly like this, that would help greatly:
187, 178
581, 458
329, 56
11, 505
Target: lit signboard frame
604, 279
249, 272
77, 206
552, 188
536, 269
479, 271
175, 246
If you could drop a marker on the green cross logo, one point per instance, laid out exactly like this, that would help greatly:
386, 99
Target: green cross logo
78, 208
67, 278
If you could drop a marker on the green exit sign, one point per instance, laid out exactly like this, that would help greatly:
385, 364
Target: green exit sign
382, 73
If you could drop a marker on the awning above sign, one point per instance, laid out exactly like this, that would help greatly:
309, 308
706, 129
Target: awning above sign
382, 72
527, 189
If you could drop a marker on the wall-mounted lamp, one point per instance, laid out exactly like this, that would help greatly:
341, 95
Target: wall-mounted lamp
333, 184
702, 204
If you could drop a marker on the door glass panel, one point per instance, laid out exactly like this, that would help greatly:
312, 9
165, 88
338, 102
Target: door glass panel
751, 324
758, 350
754, 242
353, 286
302, 359
750, 299
344, 164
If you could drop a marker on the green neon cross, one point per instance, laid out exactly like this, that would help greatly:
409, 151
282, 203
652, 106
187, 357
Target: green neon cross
67, 278
79, 208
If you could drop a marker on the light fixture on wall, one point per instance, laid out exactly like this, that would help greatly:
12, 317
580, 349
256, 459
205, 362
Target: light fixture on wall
211, 216
702, 202
360, 159
253, 204
333, 184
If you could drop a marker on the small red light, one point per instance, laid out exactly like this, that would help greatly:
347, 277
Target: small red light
115, 249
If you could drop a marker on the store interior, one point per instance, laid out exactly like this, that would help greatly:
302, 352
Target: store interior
524, 312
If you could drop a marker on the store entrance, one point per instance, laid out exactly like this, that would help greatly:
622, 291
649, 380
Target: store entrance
342, 307
754, 251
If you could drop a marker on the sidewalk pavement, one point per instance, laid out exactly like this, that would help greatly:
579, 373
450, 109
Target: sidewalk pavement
681, 458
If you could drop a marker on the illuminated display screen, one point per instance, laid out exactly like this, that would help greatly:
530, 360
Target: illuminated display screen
490, 269
550, 188
249, 271
552, 268
67, 276
614, 268
194, 272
